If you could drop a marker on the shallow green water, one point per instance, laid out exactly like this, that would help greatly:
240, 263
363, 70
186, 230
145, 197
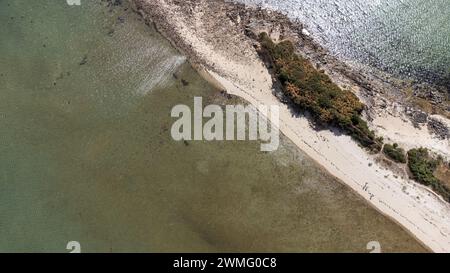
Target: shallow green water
86, 153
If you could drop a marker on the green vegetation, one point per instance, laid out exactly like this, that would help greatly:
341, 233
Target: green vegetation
395, 153
422, 167
312, 90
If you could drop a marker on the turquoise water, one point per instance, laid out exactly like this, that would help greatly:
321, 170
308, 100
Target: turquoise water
86, 153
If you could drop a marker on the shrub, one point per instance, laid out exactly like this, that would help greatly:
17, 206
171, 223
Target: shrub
395, 153
422, 167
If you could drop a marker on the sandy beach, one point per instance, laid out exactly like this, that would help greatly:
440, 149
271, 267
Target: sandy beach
227, 58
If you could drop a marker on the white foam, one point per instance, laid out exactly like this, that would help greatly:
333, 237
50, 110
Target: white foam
160, 77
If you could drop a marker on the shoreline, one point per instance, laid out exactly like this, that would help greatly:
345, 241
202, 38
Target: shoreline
239, 71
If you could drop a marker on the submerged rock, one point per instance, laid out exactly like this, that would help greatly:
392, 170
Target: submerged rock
84, 60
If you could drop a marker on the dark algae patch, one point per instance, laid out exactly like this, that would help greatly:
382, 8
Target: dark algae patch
312, 90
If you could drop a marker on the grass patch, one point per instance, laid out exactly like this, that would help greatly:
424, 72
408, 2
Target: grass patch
312, 90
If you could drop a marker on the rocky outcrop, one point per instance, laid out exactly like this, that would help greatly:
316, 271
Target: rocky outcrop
439, 127
435, 95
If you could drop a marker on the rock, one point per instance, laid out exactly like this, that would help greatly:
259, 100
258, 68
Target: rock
420, 117
438, 128
84, 60
436, 96
306, 32
225, 94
